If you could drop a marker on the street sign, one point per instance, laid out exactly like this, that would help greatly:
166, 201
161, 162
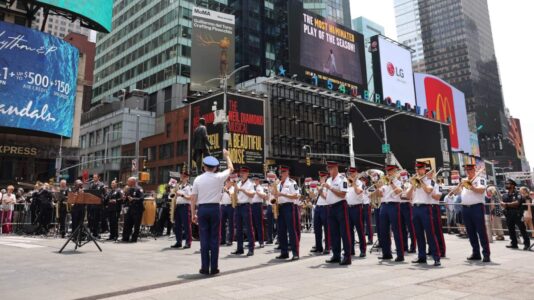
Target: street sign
386, 148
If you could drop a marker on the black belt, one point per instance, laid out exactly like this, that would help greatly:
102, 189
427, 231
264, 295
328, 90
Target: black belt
241, 204
226, 204
421, 205
182, 204
386, 203
355, 205
209, 204
287, 203
339, 203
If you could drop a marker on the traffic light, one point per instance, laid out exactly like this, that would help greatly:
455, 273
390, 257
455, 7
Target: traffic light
308, 160
144, 176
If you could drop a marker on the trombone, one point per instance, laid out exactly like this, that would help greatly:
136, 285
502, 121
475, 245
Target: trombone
468, 184
416, 181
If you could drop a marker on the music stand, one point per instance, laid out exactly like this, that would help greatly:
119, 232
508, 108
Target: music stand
82, 198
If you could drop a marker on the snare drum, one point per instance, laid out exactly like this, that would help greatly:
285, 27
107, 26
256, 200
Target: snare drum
149, 214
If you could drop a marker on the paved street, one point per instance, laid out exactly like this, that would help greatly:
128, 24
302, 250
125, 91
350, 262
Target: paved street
32, 269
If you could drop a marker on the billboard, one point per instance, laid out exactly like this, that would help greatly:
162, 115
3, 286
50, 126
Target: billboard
38, 74
246, 127
212, 48
97, 12
392, 70
435, 96
324, 52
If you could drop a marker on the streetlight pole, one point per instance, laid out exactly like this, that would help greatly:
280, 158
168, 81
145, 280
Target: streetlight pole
224, 81
384, 121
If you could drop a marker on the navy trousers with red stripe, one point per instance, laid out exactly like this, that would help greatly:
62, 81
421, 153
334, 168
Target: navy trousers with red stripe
368, 222
338, 222
209, 227
407, 226
257, 221
287, 225
320, 224
425, 231
182, 223
270, 224
243, 218
356, 222
227, 224
390, 218
473, 218
439, 229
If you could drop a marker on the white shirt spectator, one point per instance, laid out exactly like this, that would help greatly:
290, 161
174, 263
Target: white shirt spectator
208, 187
8, 201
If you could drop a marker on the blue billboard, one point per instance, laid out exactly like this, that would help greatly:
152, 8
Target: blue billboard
38, 75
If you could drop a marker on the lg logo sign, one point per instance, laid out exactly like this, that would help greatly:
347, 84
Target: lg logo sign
392, 70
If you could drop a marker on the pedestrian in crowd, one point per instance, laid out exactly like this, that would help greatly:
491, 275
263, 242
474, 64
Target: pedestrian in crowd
207, 195
63, 195
514, 207
496, 214
527, 210
449, 206
8, 205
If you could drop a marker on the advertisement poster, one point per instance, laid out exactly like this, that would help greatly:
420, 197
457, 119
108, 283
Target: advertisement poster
393, 73
212, 48
326, 52
246, 127
448, 103
38, 74
97, 11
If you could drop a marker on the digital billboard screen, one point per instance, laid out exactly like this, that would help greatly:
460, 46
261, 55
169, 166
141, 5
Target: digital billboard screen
392, 68
246, 127
323, 51
38, 74
448, 104
98, 12
212, 48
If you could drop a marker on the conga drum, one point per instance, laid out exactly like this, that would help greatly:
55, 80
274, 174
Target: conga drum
149, 214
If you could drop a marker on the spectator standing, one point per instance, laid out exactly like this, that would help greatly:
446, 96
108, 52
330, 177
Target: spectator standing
8, 205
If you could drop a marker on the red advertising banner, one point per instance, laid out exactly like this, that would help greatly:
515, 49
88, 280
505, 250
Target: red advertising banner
440, 99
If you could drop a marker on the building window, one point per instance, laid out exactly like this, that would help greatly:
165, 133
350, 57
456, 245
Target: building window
166, 151
117, 131
164, 174
91, 139
168, 130
115, 153
181, 148
186, 126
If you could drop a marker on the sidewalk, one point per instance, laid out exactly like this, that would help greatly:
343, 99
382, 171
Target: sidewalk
151, 270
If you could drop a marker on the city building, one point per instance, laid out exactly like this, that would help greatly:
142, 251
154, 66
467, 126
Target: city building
368, 28
335, 10
58, 25
87, 47
409, 30
108, 126
458, 47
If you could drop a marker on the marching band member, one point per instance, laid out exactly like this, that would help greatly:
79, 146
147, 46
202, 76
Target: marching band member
355, 210
94, 211
390, 189
338, 219
62, 202
132, 219
257, 209
45, 208
406, 215
227, 212
182, 212
367, 214
320, 218
243, 214
207, 194
420, 195
287, 192
112, 204
436, 210
472, 194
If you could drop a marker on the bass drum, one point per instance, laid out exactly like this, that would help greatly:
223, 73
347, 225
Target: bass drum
149, 213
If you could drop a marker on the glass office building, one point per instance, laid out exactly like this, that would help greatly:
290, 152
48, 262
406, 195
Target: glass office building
409, 30
335, 10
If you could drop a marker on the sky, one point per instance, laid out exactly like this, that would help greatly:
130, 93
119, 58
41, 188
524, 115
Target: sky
510, 21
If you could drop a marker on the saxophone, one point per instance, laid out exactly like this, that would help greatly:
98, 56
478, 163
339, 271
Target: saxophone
233, 198
274, 201
173, 195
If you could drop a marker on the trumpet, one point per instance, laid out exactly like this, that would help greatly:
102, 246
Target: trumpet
468, 184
